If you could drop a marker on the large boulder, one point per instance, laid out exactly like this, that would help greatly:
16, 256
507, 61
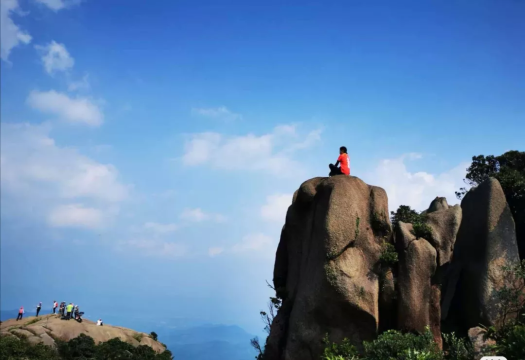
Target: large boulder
46, 328
418, 298
486, 242
327, 267
444, 222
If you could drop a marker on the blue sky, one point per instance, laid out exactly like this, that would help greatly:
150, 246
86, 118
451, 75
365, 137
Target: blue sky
150, 149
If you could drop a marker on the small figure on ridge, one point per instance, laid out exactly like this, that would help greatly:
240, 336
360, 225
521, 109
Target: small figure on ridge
20, 313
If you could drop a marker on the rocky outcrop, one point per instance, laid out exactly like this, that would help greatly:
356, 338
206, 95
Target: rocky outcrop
439, 203
327, 266
46, 329
477, 337
486, 242
417, 266
333, 278
422, 263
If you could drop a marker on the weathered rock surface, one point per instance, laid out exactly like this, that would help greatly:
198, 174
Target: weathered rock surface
327, 266
444, 222
331, 275
477, 339
416, 294
439, 203
50, 327
486, 241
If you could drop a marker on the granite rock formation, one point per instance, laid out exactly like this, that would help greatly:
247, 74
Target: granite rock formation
330, 274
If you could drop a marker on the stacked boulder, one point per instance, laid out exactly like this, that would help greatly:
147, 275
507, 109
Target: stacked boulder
332, 279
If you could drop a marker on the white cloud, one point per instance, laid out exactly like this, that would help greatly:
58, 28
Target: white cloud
160, 228
82, 84
214, 251
220, 112
154, 247
416, 189
40, 176
57, 5
269, 152
253, 242
76, 216
10, 33
197, 215
276, 207
55, 57
311, 139
73, 110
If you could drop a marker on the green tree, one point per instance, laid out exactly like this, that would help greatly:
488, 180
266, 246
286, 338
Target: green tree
418, 220
153, 335
405, 214
81, 347
509, 169
13, 348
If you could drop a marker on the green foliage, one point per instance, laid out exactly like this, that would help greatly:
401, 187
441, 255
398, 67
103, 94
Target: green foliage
418, 220
391, 345
509, 169
457, 348
421, 230
511, 342
153, 335
343, 351
389, 255
14, 348
405, 214
80, 348
396, 345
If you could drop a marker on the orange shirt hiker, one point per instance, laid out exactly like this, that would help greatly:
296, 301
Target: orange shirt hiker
344, 160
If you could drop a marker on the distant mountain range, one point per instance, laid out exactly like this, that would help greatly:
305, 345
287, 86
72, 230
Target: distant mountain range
187, 339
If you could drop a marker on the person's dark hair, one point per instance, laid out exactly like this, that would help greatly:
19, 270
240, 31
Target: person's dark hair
343, 149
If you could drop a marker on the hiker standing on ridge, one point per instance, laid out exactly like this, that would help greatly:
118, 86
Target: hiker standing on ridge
38, 307
344, 160
20, 313
55, 305
69, 309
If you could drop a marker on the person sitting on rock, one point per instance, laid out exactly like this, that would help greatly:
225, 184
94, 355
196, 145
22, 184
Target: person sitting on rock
344, 160
99, 322
20, 313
